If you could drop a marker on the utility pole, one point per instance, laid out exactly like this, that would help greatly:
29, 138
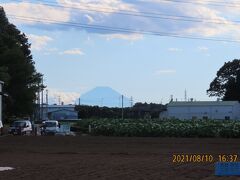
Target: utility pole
79, 101
131, 101
38, 104
122, 107
59, 100
185, 95
46, 104
42, 100
119, 101
47, 97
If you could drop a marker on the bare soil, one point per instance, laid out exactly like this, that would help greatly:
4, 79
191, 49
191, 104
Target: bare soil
63, 158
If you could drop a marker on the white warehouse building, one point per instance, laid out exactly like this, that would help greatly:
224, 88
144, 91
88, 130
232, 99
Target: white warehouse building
228, 110
59, 112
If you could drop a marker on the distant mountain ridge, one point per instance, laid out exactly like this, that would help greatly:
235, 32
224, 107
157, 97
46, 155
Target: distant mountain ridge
104, 96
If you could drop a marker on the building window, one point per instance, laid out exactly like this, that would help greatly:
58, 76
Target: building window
227, 118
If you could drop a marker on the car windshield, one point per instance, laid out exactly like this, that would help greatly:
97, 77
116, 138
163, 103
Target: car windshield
50, 124
19, 124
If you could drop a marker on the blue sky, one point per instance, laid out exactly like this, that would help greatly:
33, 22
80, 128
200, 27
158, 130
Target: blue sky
149, 68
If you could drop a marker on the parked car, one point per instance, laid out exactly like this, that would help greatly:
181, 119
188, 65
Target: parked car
50, 127
20, 127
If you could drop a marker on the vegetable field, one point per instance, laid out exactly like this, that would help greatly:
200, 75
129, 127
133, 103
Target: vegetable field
157, 128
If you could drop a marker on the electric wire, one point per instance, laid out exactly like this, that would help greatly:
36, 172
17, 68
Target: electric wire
119, 29
143, 14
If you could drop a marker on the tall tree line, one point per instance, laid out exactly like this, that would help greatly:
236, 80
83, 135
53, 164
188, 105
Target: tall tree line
226, 84
17, 70
138, 111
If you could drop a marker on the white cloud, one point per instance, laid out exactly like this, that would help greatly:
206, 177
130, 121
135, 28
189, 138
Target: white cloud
75, 51
213, 23
90, 18
89, 41
93, 12
157, 1
38, 11
52, 49
66, 97
174, 49
131, 37
165, 71
48, 51
203, 48
38, 42
104, 5
207, 30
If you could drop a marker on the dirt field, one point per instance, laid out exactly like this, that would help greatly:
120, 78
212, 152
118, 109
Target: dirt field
108, 157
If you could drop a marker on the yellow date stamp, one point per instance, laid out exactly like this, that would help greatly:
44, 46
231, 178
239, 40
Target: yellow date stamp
204, 158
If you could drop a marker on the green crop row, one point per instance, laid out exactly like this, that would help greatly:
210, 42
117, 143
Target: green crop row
156, 128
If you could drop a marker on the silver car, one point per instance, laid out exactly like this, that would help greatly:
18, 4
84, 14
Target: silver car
20, 127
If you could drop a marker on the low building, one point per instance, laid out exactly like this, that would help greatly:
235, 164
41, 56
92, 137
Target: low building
59, 112
228, 110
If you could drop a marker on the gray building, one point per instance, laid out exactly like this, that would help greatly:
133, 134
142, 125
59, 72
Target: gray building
202, 110
59, 112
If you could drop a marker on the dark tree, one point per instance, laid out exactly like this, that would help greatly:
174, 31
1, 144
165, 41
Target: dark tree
138, 111
227, 83
17, 70
4, 76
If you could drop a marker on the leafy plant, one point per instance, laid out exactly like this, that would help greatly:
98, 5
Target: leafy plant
157, 128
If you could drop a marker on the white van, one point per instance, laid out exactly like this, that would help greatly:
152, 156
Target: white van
50, 127
20, 127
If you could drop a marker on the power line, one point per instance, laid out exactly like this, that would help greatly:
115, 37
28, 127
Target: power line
119, 30
212, 3
209, 2
144, 14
